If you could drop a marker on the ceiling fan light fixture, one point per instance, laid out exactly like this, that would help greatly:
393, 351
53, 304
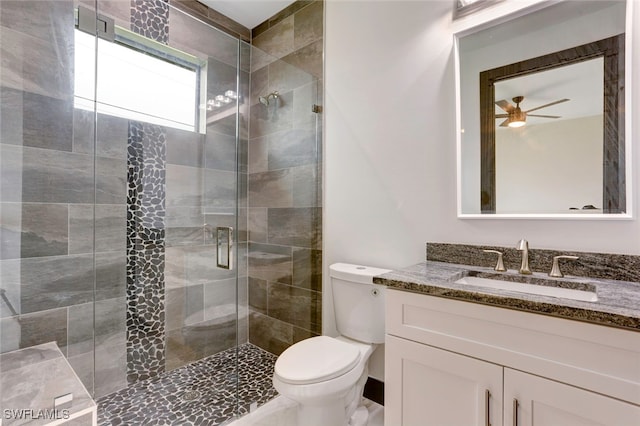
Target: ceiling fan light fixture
517, 118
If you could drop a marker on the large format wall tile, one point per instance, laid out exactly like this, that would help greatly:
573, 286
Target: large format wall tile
307, 186
184, 306
111, 180
270, 263
303, 116
53, 282
257, 223
308, 25
34, 120
220, 151
295, 306
197, 341
258, 155
33, 230
42, 283
258, 295
184, 147
111, 275
308, 59
291, 148
300, 227
110, 369
48, 20
307, 268
218, 45
274, 335
103, 321
271, 189
110, 228
285, 77
111, 136
35, 65
33, 329
184, 186
278, 40
220, 299
46, 176
219, 190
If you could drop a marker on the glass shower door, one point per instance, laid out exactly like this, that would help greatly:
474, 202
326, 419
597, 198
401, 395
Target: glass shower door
169, 102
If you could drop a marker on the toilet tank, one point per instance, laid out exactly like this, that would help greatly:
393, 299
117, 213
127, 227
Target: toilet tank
358, 302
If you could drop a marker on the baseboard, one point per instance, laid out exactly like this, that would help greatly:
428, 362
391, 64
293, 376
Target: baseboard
374, 390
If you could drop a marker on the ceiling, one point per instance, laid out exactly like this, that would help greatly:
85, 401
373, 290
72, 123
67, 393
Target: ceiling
249, 13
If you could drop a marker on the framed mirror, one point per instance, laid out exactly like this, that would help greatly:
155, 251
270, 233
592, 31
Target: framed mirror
559, 74
467, 7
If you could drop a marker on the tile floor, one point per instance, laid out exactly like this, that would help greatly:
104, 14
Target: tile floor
198, 394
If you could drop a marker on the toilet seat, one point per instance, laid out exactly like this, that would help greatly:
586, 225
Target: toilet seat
316, 360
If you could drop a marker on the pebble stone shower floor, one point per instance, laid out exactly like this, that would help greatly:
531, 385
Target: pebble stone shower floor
201, 393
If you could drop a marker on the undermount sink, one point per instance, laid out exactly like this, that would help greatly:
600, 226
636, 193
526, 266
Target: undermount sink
586, 294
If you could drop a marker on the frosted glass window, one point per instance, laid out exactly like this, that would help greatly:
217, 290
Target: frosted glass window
134, 85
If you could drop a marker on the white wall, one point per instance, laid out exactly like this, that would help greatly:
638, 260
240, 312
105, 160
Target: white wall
390, 157
549, 167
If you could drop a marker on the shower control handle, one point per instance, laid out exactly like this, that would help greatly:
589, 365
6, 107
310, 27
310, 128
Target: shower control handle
224, 247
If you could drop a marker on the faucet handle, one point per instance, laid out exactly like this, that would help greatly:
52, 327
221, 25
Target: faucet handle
500, 264
555, 268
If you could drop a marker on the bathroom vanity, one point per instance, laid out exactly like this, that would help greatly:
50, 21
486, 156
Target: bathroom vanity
459, 354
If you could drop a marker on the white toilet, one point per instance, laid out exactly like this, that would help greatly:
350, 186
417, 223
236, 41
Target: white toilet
326, 375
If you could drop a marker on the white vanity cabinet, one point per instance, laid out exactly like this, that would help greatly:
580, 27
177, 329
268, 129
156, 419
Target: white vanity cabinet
457, 363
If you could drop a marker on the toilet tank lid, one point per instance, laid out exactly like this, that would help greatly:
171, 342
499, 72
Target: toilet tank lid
355, 273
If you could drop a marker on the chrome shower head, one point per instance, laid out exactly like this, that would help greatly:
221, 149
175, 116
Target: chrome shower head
264, 100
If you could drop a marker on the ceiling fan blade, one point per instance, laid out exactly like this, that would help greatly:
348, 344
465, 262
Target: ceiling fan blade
547, 105
543, 116
505, 105
505, 123
502, 115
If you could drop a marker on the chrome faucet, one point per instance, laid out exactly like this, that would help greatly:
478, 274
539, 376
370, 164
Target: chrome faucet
523, 246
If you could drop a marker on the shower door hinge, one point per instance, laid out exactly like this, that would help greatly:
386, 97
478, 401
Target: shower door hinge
96, 24
316, 109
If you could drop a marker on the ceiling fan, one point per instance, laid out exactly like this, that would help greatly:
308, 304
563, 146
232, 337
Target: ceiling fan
515, 117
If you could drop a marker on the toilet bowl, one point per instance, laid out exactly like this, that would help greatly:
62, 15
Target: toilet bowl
326, 375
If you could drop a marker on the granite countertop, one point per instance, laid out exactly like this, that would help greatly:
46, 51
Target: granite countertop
618, 302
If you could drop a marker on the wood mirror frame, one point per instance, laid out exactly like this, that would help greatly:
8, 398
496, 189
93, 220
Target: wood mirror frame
612, 50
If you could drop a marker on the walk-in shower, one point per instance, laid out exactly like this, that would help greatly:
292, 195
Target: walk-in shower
126, 137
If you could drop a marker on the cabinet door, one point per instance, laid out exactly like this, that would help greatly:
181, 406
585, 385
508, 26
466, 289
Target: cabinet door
428, 386
543, 402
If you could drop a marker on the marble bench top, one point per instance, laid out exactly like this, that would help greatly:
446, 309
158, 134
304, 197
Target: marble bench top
31, 378
618, 302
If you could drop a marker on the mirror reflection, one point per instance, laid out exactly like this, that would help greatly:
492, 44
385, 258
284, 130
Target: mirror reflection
548, 137
563, 138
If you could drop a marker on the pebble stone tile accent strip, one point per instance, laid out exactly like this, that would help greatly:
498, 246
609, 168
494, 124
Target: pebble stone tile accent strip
202, 393
150, 18
146, 162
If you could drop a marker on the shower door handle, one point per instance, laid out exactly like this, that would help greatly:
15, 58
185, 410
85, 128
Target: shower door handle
224, 247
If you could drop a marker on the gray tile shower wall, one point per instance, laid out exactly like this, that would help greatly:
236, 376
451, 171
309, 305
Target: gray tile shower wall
284, 181
56, 216
44, 273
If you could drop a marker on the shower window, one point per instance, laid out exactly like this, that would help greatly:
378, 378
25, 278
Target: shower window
138, 79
